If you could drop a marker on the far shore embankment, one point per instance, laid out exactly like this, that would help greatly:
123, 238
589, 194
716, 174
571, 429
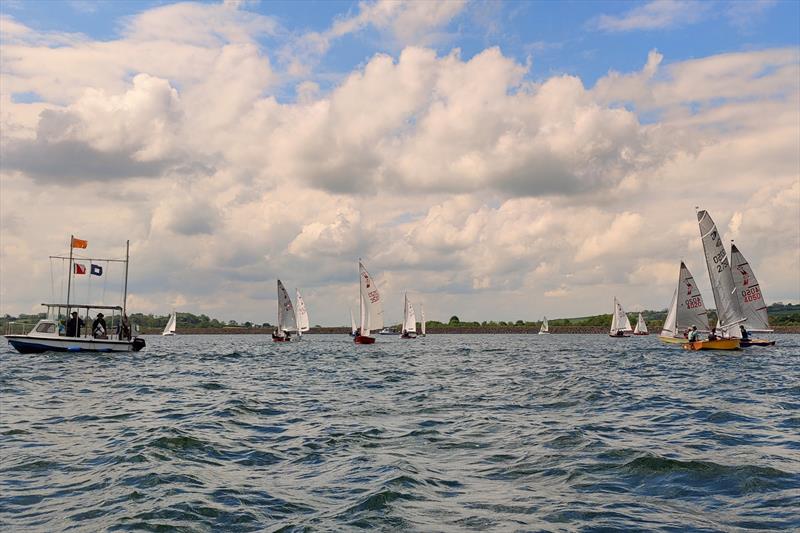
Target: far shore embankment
497, 330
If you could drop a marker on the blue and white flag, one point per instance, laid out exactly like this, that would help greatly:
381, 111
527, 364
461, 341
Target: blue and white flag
97, 270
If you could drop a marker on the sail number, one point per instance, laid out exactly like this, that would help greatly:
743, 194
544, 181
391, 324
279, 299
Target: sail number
721, 261
693, 303
374, 296
752, 294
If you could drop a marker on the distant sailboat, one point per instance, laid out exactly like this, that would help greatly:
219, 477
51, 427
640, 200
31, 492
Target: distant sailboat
169, 329
686, 310
287, 322
301, 315
620, 323
422, 321
353, 327
750, 299
641, 326
545, 327
371, 307
409, 328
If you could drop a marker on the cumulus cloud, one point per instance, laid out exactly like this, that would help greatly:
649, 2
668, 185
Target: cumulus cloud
454, 177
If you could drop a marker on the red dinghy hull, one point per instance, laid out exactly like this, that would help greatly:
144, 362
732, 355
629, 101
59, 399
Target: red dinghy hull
361, 339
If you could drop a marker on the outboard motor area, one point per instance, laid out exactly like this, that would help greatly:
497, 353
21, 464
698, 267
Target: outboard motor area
138, 344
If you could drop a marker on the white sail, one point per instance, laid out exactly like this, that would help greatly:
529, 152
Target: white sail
729, 313
302, 313
353, 326
619, 320
641, 327
422, 320
372, 308
286, 317
169, 329
749, 293
687, 308
409, 318
545, 327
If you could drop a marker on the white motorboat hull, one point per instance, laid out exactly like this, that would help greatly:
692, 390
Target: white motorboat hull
32, 344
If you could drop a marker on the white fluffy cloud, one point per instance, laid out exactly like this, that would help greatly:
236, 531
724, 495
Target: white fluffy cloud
455, 178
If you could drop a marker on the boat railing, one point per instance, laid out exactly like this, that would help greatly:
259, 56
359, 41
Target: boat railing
18, 328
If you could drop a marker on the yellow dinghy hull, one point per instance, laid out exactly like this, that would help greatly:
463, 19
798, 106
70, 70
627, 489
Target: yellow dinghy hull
673, 340
719, 344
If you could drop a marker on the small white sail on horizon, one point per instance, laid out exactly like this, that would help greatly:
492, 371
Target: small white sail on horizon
641, 326
749, 294
301, 314
169, 329
545, 327
729, 312
409, 318
353, 326
421, 320
620, 323
287, 320
687, 308
371, 306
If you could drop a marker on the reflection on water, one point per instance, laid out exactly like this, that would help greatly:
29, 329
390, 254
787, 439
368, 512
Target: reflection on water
447, 432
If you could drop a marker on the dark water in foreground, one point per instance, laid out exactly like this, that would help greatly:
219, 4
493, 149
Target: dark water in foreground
446, 433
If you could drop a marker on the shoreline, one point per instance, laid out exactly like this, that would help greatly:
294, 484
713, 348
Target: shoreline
554, 330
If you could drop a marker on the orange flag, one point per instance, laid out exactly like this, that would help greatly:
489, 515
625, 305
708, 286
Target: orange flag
79, 243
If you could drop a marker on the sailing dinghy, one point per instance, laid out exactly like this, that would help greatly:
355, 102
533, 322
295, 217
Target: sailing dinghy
287, 321
371, 307
544, 329
686, 310
421, 321
409, 329
750, 299
729, 312
620, 323
169, 329
302, 315
641, 326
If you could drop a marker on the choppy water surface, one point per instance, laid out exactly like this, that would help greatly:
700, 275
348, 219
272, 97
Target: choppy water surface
449, 432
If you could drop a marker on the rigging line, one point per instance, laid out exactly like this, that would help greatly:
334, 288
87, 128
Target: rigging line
52, 282
105, 282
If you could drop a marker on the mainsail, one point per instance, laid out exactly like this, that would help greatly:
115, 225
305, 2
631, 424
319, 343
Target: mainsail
169, 329
641, 326
286, 318
422, 320
749, 293
371, 307
619, 320
353, 326
687, 307
302, 313
409, 318
729, 312
545, 327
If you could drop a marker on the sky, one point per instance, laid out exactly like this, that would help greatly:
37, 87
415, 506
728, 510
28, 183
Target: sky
495, 160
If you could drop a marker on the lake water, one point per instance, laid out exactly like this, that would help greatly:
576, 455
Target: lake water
445, 433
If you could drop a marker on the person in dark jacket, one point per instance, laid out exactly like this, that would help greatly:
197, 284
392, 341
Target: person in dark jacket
99, 327
74, 325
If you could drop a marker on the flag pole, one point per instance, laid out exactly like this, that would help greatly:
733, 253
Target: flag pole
69, 276
125, 295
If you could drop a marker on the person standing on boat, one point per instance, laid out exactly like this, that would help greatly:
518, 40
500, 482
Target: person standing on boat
125, 330
74, 325
99, 327
745, 335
